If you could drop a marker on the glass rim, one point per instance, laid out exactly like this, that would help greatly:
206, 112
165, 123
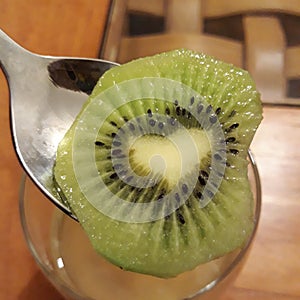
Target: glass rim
247, 245
57, 282
208, 287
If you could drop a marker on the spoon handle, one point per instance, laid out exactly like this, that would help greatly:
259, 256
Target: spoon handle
11, 54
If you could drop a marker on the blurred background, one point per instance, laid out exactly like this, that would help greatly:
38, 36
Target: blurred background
262, 36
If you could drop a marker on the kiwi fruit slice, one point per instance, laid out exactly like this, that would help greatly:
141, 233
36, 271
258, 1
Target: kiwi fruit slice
155, 165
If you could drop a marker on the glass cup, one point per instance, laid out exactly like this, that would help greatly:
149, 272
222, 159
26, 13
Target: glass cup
64, 254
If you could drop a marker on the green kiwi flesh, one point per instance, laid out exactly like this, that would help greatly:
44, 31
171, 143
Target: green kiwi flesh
191, 234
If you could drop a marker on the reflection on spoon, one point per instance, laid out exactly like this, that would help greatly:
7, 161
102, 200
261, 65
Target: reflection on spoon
46, 94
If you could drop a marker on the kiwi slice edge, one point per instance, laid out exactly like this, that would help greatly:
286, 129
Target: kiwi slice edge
191, 235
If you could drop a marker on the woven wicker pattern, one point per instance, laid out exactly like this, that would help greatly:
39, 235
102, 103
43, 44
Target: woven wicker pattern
262, 36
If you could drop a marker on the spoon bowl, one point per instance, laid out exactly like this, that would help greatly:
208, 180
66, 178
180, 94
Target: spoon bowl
46, 94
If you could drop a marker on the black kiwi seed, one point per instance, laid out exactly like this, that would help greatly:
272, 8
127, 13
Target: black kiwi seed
218, 110
199, 108
123, 172
128, 179
139, 190
217, 156
213, 119
180, 218
160, 125
214, 184
125, 119
201, 180
209, 193
113, 134
204, 174
152, 123
149, 112
177, 197
176, 102
114, 176
199, 195
208, 109
98, 143
160, 196
178, 110
113, 123
117, 143
172, 121
121, 130
184, 188
232, 114
230, 140
167, 217
189, 115
168, 110
192, 100
234, 151
141, 129
131, 127
234, 125
116, 152
118, 166
183, 111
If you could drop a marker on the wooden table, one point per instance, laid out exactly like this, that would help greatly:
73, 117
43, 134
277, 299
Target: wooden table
75, 28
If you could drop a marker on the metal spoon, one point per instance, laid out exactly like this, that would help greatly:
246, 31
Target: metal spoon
46, 93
